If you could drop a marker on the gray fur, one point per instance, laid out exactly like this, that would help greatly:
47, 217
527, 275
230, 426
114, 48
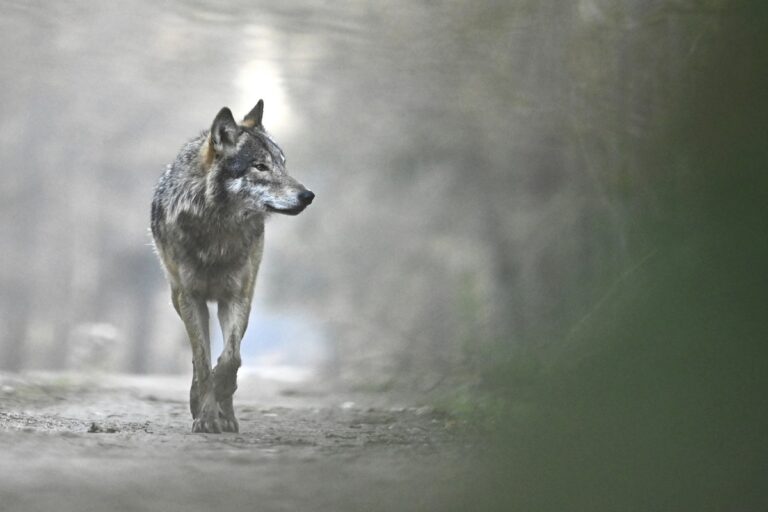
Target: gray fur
207, 222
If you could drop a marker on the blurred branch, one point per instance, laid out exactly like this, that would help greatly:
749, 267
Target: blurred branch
609, 293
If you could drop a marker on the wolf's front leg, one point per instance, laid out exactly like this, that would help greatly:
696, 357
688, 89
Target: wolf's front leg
233, 317
205, 409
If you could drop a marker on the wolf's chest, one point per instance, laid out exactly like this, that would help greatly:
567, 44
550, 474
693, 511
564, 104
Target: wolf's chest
215, 248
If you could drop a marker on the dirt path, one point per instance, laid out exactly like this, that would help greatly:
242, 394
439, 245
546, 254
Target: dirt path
125, 444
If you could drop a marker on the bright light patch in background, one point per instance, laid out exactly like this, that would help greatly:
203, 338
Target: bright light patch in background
262, 79
276, 346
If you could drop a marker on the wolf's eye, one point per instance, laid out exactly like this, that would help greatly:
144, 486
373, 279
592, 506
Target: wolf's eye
261, 167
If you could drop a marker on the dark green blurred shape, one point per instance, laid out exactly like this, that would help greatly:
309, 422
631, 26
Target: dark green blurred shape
657, 399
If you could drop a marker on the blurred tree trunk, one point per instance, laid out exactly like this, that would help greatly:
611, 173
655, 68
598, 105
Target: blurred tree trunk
16, 312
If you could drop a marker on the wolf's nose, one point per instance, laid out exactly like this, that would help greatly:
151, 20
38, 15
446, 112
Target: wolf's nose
306, 197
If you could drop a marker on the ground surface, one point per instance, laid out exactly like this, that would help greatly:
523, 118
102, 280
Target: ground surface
74, 443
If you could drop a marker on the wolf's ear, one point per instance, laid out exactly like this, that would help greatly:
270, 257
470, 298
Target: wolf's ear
253, 118
224, 131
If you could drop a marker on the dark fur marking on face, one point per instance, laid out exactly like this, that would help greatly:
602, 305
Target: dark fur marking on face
252, 151
237, 165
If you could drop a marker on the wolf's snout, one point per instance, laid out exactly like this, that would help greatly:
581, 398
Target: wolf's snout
306, 197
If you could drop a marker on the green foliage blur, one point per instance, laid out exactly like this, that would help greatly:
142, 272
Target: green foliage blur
655, 397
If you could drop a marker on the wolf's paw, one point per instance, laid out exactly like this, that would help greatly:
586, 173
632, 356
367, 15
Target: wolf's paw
229, 424
206, 424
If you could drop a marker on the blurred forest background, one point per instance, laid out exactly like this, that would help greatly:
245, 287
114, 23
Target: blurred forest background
550, 213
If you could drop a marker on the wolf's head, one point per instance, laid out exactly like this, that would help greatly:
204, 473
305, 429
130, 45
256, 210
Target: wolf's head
247, 168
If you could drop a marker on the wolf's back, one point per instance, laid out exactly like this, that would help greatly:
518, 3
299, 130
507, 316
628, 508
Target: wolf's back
179, 184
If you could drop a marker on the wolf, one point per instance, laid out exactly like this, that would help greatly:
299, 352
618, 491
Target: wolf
207, 222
